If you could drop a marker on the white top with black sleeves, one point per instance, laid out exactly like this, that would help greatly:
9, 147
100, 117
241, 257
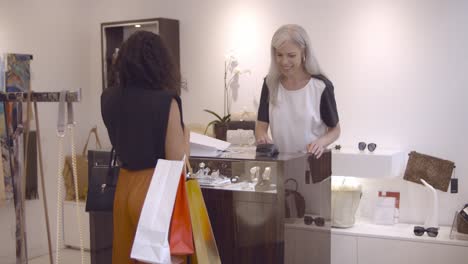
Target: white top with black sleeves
299, 116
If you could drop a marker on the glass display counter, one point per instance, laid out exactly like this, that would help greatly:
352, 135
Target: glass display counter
244, 196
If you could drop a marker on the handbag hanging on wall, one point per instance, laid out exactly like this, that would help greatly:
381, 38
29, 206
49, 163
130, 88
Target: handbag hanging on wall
101, 193
82, 170
435, 171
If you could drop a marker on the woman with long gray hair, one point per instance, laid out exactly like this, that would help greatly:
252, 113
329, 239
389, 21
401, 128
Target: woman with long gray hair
297, 101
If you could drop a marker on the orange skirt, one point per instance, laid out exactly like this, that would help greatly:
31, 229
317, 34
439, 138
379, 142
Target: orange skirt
130, 194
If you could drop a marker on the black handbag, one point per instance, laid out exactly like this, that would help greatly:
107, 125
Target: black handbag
101, 190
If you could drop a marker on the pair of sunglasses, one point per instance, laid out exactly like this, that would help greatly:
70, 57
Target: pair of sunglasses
319, 221
371, 146
431, 231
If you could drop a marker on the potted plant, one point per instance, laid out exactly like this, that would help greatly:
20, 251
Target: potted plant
231, 78
220, 124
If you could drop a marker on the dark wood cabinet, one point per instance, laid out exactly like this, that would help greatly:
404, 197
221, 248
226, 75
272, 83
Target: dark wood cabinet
101, 230
101, 225
220, 207
246, 225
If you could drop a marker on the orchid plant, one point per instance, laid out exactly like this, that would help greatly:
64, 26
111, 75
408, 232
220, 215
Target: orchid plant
232, 71
218, 121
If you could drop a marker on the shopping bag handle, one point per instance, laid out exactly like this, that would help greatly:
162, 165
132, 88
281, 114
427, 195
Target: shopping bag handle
292, 180
110, 172
189, 167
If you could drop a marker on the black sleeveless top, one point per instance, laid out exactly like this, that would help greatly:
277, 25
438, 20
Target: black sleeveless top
136, 120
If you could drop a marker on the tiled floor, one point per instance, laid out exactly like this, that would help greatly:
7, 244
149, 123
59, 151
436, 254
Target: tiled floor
68, 256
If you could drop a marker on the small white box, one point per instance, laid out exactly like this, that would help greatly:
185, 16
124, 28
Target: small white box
384, 213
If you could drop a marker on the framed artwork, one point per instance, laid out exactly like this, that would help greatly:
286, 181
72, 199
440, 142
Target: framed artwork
17, 79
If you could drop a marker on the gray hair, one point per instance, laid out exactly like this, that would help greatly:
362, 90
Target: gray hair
298, 35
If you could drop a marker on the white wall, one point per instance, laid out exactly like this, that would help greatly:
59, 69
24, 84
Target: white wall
399, 69
54, 32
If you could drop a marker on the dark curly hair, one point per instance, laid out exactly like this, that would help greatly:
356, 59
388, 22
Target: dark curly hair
144, 61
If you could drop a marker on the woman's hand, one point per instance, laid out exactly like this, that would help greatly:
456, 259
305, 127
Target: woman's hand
261, 133
263, 139
316, 147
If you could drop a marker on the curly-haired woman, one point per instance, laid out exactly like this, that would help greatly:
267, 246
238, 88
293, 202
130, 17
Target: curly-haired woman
143, 116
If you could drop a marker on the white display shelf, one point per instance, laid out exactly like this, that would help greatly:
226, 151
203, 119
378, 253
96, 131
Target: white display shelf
364, 164
402, 232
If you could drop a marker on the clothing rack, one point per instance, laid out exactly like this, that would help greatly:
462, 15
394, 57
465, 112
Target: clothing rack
39, 96
33, 97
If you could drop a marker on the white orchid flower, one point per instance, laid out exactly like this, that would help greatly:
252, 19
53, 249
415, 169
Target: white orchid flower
240, 71
232, 71
231, 56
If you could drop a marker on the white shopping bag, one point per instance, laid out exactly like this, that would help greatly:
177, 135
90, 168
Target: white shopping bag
151, 239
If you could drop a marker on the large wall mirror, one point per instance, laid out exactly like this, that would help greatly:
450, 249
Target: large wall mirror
114, 33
